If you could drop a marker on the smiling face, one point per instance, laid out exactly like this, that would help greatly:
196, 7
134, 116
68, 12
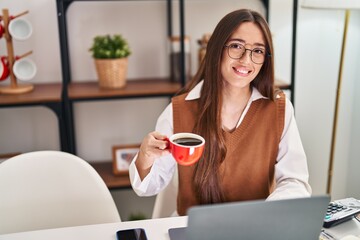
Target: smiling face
240, 72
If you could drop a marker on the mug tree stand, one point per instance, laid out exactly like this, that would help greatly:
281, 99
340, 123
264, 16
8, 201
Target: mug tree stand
14, 87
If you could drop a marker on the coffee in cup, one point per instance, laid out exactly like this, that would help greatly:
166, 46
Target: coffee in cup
186, 148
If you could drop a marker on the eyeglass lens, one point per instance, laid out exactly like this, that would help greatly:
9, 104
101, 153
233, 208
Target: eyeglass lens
237, 50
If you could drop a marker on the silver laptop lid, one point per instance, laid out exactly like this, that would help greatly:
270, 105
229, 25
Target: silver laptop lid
295, 219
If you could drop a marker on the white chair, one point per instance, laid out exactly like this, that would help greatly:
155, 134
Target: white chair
52, 189
165, 202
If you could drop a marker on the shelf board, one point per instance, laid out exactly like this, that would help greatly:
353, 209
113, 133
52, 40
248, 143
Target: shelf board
112, 182
42, 93
282, 85
81, 91
134, 88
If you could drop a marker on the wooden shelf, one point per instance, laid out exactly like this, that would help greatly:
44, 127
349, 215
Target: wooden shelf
112, 181
282, 85
42, 93
134, 88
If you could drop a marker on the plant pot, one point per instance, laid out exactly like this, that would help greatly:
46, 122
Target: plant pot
112, 72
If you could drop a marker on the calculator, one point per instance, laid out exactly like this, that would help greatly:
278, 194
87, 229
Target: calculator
341, 211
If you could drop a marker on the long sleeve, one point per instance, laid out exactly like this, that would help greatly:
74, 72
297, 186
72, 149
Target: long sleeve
163, 168
291, 170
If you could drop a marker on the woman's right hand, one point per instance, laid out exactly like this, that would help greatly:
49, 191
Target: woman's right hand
152, 147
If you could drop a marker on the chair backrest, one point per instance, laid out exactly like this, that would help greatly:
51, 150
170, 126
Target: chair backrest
52, 189
165, 202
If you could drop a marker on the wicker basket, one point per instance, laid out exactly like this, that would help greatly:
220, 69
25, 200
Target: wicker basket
112, 72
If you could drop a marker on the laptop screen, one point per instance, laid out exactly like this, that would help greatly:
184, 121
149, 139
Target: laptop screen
295, 219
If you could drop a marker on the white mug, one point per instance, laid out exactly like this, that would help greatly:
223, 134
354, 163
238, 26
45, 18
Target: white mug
20, 29
24, 69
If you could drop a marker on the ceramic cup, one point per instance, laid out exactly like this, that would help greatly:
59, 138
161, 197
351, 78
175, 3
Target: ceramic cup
24, 69
20, 29
186, 148
4, 68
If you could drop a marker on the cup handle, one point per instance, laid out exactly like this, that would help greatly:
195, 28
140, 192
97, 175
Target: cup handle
2, 30
167, 143
4, 60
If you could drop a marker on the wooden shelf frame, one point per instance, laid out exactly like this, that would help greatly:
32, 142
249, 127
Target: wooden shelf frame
112, 182
73, 92
48, 95
42, 94
154, 87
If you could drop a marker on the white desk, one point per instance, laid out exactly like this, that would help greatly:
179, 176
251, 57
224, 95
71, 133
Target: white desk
345, 229
156, 229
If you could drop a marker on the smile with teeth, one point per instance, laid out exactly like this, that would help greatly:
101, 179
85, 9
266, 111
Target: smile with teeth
242, 70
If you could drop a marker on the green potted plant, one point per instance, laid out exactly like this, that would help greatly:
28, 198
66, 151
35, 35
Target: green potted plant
111, 60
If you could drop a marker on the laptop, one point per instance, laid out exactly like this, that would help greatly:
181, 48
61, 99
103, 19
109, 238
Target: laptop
295, 219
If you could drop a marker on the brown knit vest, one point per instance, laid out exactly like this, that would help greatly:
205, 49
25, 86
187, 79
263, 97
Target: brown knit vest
247, 172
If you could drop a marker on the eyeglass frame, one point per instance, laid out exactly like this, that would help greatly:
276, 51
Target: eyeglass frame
266, 54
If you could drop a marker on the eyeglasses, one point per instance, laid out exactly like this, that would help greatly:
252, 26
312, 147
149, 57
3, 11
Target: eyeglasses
237, 50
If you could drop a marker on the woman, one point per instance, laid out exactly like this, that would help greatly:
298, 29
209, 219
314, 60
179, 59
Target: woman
253, 148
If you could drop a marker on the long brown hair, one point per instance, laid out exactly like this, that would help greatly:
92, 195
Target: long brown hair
206, 177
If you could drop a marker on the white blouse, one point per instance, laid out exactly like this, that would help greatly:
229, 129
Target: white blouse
291, 170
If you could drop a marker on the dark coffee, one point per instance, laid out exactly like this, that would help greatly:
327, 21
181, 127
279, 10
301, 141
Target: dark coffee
187, 141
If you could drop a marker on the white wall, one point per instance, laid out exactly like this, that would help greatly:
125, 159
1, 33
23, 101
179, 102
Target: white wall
353, 71
318, 52
319, 39
101, 124
280, 20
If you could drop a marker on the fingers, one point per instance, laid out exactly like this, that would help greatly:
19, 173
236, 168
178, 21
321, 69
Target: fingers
157, 140
154, 146
158, 135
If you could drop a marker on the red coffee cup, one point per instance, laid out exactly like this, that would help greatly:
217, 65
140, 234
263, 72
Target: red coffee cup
4, 68
186, 148
2, 30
